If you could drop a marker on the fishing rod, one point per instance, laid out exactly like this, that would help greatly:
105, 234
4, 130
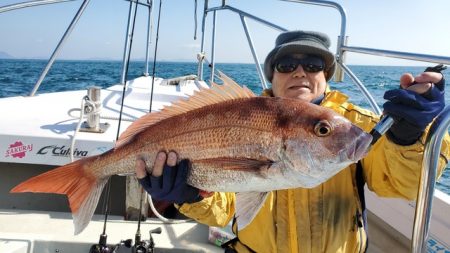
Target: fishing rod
381, 128
102, 246
140, 246
144, 246
154, 56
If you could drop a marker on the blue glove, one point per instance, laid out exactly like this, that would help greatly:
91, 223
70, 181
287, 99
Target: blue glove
413, 112
171, 185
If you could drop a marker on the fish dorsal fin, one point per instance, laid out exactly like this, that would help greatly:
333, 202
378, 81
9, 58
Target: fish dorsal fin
229, 90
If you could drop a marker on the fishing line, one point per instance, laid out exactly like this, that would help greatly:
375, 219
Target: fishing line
154, 56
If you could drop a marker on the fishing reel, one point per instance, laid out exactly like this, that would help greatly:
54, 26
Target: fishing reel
140, 246
101, 247
145, 246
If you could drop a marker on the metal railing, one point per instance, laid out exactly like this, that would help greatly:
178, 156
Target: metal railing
17, 6
435, 135
59, 46
242, 15
56, 51
427, 183
61, 42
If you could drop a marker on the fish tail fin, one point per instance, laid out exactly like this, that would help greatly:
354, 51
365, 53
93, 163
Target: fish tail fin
82, 187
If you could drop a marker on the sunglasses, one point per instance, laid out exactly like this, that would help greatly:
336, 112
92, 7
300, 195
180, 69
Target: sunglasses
310, 64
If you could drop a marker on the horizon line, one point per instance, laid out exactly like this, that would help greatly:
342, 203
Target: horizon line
186, 61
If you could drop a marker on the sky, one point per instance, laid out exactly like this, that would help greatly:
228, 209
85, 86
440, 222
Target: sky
420, 26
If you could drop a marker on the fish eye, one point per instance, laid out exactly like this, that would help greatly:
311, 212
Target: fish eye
323, 128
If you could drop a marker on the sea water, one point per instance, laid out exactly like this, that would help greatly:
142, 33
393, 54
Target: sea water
17, 78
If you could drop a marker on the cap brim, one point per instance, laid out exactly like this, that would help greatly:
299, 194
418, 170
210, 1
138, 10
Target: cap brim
307, 48
304, 48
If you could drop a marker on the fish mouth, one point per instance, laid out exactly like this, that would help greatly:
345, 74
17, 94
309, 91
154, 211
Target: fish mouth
359, 148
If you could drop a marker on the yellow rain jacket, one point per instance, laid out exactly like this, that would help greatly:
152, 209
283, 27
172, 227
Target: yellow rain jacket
326, 218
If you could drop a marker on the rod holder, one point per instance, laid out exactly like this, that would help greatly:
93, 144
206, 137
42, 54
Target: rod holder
92, 110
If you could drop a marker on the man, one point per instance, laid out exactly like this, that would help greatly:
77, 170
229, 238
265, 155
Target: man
329, 217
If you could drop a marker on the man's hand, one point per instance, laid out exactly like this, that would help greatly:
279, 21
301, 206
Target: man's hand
418, 101
421, 83
168, 179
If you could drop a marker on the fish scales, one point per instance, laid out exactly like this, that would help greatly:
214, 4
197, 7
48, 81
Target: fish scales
219, 130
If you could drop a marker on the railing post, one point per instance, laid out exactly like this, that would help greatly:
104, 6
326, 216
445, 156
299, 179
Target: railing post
339, 74
427, 182
149, 25
255, 57
362, 88
202, 43
213, 47
59, 46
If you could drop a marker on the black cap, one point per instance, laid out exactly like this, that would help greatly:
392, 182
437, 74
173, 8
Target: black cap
301, 42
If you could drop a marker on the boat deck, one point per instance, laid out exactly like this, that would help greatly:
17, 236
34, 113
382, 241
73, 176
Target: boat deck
50, 232
39, 129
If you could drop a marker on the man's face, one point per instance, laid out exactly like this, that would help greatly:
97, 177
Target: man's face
305, 84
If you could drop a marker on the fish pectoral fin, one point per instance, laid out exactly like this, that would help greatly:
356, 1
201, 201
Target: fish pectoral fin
227, 163
247, 206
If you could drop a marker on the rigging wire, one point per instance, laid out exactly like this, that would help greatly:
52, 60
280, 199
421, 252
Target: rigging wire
154, 56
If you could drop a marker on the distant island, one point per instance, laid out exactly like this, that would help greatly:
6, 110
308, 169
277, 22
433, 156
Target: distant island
4, 55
